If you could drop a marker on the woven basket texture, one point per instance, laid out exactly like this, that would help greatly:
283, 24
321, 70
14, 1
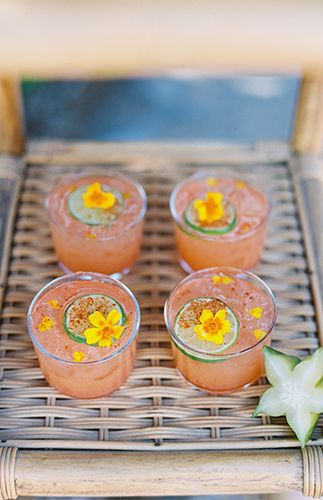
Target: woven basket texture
155, 406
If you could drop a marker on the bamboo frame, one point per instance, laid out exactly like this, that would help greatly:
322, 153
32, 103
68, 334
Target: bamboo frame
164, 473
11, 120
307, 134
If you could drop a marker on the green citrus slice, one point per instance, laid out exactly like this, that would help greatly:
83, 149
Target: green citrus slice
222, 226
77, 313
189, 316
94, 216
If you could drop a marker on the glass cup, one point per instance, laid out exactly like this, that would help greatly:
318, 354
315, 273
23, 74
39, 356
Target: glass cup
242, 363
71, 366
97, 247
238, 242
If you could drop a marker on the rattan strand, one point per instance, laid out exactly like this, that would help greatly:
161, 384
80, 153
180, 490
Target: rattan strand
7, 473
155, 406
313, 471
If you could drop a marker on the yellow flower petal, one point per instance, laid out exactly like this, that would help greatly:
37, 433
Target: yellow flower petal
210, 209
214, 197
225, 280
105, 342
90, 236
199, 330
97, 319
198, 204
46, 324
54, 304
117, 331
95, 197
221, 314
259, 334
202, 214
213, 328
78, 356
217, 338
239, 184
256, 312
92, 335
224, 325
245, 227
206, 316
113, 317
212, 181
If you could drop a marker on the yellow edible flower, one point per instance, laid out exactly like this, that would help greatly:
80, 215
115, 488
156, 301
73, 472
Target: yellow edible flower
210, 209
240, 184
105, 329
225, 280
245, 227
91, 236
95, 197
256, 312
259, 334
54, 304
46, 324
213, 327
212, 181
78, 356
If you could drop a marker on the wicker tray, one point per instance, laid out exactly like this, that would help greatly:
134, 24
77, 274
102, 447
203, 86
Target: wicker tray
156, 409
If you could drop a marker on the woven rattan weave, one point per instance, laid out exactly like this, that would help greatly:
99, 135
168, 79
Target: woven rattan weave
156, 407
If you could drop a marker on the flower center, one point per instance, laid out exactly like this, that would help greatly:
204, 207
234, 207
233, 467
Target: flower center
106, 331
211, 208
95, 197
213, 326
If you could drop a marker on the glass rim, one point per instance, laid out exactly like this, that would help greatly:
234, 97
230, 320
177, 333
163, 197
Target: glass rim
219, 356
86, 276
213, 237
137, 185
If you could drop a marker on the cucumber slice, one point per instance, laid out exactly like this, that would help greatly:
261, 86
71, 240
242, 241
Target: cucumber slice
189, 316
76, 314
222, 226
296, 392
94, 216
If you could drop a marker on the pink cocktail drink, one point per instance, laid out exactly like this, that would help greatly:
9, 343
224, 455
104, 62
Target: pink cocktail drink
97, 222
84, 327
218, 222
219, 319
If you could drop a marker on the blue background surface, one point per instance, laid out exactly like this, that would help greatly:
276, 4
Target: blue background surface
184, 106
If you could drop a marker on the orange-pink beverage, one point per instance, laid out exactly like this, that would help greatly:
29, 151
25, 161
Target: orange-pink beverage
92, 233
218, 222
219, 319
84, 327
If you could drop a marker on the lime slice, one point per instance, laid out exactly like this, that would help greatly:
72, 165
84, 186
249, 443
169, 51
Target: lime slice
94, 216
222, 226
77, 313
189, 316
